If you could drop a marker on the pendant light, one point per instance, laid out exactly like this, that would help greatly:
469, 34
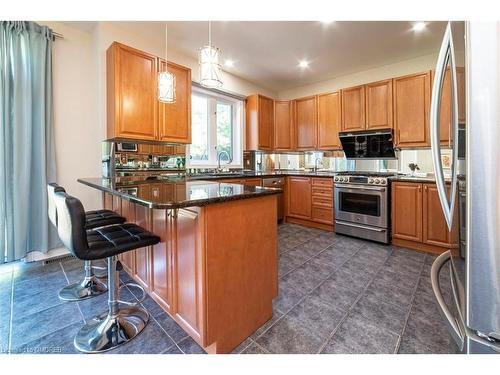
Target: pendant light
166, 80
210, 67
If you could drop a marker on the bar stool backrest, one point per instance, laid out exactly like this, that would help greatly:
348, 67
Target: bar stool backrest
71, 224
53, 188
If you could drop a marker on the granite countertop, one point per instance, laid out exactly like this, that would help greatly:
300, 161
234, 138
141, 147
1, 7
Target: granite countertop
178, 193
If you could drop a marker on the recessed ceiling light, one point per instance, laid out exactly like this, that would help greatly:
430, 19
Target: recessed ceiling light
229, 63
419, 26
303, 64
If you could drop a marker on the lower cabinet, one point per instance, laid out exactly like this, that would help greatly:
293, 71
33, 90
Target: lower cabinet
299, 197
310, 201
417, 218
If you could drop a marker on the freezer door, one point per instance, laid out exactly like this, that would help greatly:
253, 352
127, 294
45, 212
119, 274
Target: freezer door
483, 178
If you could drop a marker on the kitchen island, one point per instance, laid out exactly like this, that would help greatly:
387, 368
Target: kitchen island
215, 271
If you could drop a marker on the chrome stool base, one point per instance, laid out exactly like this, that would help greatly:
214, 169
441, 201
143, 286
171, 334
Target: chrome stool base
110, 331
87, 288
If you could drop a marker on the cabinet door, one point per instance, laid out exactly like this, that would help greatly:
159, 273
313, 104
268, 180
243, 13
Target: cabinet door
329, 121
407, 211
353, 108
379, 105
128, 258
299, 197
282, 125
131, 93
161, 269
188, 257
435, 228
266, 121
411, 110
306, 123
142, 255
175, 118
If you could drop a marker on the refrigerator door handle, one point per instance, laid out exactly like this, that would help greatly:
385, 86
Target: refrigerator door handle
446, 54
452, 324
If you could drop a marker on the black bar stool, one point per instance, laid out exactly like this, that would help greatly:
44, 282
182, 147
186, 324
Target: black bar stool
119, 325
91, 285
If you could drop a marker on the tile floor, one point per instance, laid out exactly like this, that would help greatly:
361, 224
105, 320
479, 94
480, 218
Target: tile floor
336, 295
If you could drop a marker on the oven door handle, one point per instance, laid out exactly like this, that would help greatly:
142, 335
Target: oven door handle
351, 187
361, 226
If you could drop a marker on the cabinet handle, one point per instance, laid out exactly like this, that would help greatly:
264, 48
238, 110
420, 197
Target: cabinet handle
425, 187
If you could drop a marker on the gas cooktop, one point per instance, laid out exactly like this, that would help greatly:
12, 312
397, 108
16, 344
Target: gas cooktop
368, 173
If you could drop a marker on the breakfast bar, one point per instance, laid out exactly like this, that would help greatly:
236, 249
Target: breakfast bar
215, 271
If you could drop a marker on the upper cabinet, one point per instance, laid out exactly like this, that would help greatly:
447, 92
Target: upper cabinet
133, 110
175, 118
445, 113
259, 122
306, 123
131, 93
411, 109
283, 125
353, 108
329, 121
379, 105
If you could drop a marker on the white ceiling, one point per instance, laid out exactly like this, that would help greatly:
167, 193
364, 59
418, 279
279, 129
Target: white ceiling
267, 52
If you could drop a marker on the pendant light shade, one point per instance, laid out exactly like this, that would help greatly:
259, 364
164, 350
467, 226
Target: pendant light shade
166, 80
210, 67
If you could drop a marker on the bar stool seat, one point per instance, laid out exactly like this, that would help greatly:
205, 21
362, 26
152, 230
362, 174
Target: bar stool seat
90, 285
118, 325
116, 239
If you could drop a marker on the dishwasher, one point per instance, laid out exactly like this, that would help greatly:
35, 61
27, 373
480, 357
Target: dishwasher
277, 182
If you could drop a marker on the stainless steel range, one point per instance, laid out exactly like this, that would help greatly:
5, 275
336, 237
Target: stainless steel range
362, 205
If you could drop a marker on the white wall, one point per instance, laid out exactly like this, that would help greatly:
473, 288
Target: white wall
416, 65
78, 133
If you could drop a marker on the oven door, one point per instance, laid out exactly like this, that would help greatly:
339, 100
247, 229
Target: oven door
361, 204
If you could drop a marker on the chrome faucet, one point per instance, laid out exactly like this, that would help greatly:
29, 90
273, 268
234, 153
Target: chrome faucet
316, 164
229, 160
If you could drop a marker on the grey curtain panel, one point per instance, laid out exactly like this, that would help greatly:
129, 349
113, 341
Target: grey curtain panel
27, 156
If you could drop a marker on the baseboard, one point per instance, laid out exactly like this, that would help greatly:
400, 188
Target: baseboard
309, 223
36, 256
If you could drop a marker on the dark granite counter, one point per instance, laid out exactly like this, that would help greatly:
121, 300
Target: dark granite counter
167, 193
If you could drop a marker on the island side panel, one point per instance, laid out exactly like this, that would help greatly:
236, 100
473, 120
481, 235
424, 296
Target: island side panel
242, 269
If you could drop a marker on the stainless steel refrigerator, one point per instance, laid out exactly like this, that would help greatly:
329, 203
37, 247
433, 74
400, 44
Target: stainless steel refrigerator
473, 314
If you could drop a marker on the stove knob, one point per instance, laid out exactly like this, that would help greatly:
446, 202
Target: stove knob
377, 181
383, 181
370, 180
346, 179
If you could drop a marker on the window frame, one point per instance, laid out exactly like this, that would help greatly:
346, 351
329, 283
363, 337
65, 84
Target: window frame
237, 131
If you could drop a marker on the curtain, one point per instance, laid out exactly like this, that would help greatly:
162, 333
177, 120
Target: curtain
27, 156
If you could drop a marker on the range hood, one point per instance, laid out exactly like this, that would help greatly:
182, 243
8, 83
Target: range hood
376, 144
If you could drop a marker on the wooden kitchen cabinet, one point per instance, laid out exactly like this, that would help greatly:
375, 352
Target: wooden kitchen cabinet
133, 109
379, 114
329, 121
259, 123
283, 125
411, 109
445, 114
417, 219
131, 93
353, 108
309, 201
435, 229
252, 181
306, 123
299, 197
407, 211
175, 118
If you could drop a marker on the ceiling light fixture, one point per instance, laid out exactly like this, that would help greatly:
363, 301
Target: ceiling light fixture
419, 26
303, 64
229, 63
210, 68
166, 80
